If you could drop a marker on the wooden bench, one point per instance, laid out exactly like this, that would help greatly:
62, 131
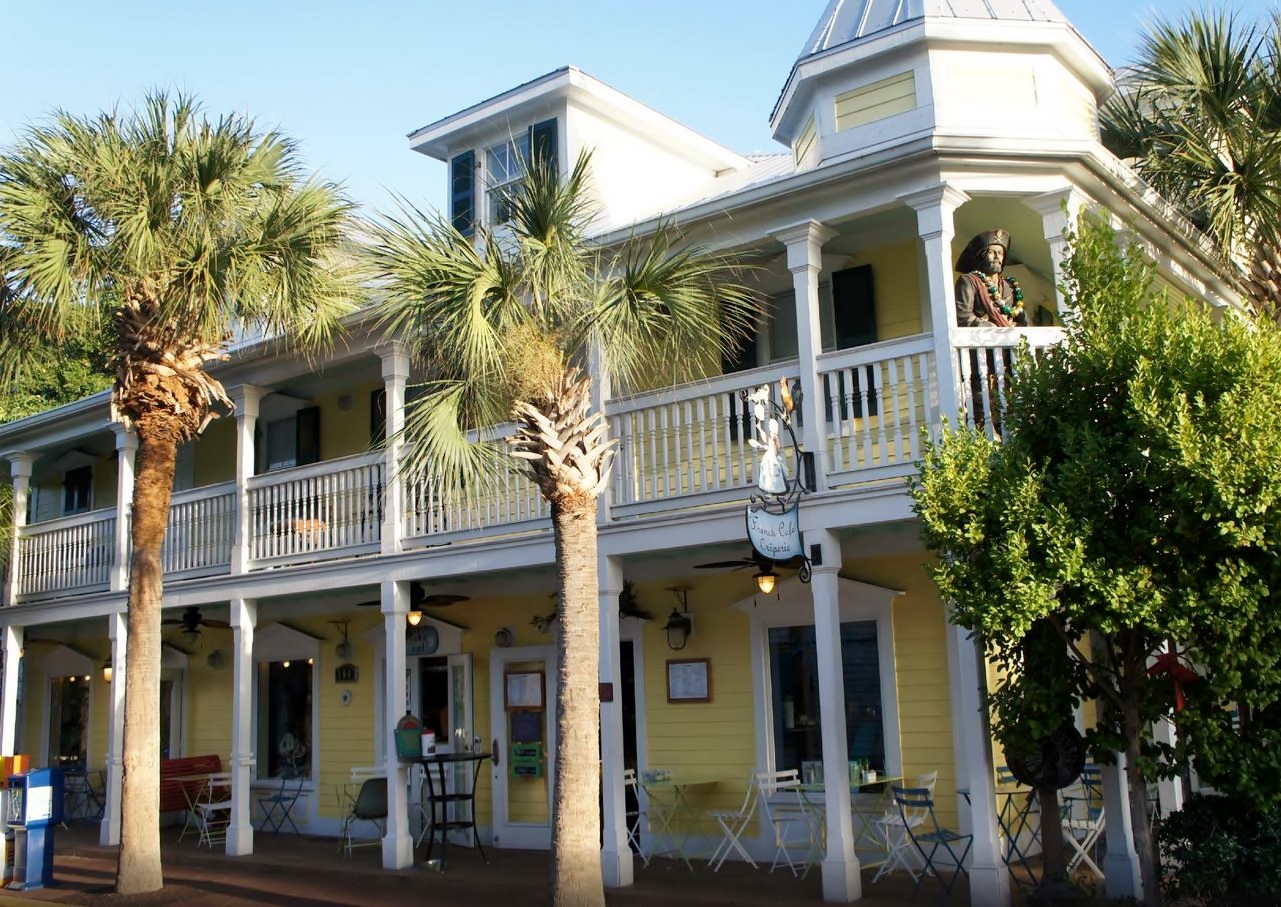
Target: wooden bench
173, 793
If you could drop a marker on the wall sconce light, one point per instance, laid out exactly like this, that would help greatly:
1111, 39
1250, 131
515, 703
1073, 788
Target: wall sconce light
285, 663
215, 659
765, 581
415, 618
344, 649
106, 670
679, 626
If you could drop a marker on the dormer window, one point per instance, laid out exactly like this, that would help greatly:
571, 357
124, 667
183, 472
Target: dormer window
506, 161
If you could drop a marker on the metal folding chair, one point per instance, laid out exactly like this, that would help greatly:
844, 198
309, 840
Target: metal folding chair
1084, 820
893, 826
797, 825
732, 823
370, 806
277, 808
631, 795
930, 838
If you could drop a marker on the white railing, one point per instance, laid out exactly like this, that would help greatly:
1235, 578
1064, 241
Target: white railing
686, 440
335, 506
876, 400
67, 553
982, 368
202, 528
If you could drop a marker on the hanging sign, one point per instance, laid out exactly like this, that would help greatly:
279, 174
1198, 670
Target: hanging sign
775, 535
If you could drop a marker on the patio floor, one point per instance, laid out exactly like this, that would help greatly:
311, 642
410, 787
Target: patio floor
294, 869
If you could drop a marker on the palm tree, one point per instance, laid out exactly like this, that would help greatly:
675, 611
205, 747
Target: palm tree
155, 235
514, 326
1199, 115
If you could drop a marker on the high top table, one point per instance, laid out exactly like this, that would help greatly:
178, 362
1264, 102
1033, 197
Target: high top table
437, 799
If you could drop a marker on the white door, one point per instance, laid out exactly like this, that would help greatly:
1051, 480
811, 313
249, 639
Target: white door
522, 710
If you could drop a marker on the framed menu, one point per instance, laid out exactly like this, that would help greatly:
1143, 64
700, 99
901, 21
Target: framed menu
689, 680
524, 689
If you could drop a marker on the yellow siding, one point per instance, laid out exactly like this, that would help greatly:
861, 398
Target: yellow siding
882, 99
344, 434
214, 459
105, 472
806, 141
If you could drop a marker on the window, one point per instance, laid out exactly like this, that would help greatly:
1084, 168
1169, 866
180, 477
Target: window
782, 327
506, 162
68, 720
77, 488
854, 307
284, 725
294, 440
793, 663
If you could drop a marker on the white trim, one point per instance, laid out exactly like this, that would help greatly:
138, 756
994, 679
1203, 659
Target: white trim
278, 642
525, 836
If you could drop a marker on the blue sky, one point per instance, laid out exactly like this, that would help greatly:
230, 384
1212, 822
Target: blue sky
349, 81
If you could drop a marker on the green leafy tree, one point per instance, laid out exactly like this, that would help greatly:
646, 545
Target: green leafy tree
515, 326
157, 234
1132, 502
1199, 116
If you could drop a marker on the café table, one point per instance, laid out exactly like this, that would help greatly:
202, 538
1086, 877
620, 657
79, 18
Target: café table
1015, 806
670, 803
870, 800
446, 810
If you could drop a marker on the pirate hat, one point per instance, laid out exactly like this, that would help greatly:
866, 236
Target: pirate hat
969, 259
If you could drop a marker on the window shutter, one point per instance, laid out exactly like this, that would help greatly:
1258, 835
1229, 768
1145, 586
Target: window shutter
308, 436
542, 143
854, 307
462, 192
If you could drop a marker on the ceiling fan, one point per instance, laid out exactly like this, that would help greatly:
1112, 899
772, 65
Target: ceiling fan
191, 621
418, 599
755, 559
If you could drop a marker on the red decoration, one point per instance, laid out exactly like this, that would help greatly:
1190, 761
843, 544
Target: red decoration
1174, 665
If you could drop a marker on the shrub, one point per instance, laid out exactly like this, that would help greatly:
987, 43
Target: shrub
1222, 852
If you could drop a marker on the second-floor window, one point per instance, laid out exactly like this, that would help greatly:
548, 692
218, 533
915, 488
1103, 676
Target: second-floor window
77, 488
506, 162
292, 441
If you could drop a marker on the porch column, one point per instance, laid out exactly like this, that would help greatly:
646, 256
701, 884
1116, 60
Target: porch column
246, 398
804, 242
972, 742
1122, 875
398, 843
1056, 221
118, 631
126, 450
20, 468
244, 617
1170, 790
934, 209
12, 642
842, 880
395, 375
616, 853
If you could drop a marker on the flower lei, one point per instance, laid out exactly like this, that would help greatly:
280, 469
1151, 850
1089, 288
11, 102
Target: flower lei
994, 293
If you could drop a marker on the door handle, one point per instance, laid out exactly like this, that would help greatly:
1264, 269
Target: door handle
493, 751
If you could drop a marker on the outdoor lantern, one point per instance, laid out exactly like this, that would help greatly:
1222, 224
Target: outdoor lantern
765, 581
106, 670
415, 618
678, 628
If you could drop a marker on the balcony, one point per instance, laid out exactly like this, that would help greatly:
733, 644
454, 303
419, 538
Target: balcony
679, 448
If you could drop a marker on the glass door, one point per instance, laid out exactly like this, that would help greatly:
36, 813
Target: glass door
522, 683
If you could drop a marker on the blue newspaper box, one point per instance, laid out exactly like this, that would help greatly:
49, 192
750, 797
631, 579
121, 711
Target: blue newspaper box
37, 809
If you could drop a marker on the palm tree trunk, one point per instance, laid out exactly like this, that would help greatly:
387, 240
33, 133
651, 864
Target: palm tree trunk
139, 869
575, 858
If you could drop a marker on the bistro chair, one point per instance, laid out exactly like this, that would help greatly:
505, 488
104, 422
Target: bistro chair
631, 795
916, 809
796, 823
893, 826
213, 809
1084, 820
277, 808
732, 823
370, 806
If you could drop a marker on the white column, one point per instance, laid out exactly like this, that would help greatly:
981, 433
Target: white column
1122, 875
398, 843
1169, 789
842, 881
1058, 210
395, 375
804, 242
246, 398
934, 209
118, 630
616, 854
126, 450
972, 741
20, 465
240, 834
12, 641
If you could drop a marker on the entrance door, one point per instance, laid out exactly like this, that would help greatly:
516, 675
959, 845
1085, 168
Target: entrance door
522, 709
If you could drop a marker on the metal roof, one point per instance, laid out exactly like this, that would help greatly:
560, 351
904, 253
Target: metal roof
849, 20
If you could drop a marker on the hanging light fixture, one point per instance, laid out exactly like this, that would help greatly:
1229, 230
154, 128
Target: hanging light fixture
679, 626
415, 618
765, 580
106, 670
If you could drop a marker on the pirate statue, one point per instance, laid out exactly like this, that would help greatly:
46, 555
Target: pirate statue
984, 298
